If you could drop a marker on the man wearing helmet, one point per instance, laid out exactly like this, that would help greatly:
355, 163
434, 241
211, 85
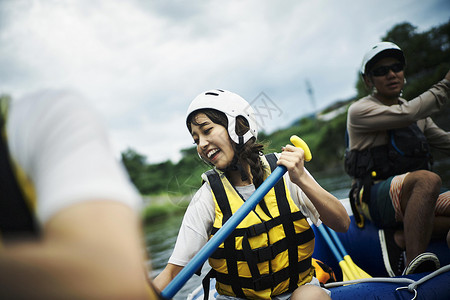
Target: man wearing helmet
389, 157
269, 255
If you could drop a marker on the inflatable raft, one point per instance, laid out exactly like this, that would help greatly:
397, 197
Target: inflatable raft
364, 248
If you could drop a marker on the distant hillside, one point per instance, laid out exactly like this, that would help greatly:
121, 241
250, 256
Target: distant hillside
428, 60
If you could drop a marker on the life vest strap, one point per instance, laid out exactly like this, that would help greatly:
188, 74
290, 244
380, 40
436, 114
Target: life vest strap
288, 225
266, 281
260, 228
270, 252
220, 194
206, 283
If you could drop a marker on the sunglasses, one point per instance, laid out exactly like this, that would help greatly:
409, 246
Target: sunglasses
383, 70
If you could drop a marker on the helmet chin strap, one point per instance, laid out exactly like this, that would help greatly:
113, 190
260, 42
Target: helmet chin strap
244, 176
235, 166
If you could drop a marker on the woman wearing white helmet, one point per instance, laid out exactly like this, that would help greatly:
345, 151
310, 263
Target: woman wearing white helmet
224, 128
389, 158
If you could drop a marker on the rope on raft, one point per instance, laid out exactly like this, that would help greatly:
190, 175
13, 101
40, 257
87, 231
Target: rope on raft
411, 286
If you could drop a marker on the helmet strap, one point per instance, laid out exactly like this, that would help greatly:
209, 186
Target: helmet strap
236, 166
244, 176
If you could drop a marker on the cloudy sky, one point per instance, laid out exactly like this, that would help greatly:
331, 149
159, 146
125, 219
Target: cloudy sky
141, 62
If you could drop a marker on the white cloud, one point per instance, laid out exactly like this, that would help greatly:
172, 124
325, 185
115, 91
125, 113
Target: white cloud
141, 62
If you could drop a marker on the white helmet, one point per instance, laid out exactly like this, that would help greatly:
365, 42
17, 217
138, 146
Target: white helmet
232, 105
388, 49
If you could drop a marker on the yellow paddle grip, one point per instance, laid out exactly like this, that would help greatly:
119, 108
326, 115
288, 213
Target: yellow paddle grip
298, 142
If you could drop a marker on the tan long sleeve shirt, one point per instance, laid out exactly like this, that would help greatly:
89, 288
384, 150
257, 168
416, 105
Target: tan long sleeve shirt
368, 119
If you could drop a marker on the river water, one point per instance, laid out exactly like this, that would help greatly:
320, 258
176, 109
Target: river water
161, 235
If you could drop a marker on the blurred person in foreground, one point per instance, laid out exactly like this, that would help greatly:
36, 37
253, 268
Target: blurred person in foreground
69, 221
389, 157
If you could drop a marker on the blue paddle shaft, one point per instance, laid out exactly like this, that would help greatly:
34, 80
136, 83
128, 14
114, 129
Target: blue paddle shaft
338, 242
330, 243
197, 261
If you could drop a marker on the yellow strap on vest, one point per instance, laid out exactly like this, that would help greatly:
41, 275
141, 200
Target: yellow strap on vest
23, 180
26, 189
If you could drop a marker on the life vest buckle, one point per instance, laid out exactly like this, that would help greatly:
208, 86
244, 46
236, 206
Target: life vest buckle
264, 253
264, 282
257, 229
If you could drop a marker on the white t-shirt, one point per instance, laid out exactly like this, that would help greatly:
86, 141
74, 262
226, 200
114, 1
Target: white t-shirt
63, 147
200, 214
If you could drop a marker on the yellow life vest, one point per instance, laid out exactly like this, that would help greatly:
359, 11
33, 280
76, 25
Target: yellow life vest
269, 253
17, 196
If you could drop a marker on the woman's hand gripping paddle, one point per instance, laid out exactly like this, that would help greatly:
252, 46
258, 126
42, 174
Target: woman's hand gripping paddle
299, 143
197, 261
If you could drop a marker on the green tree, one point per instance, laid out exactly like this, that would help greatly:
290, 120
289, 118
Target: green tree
136, 166
428, 60
427, 57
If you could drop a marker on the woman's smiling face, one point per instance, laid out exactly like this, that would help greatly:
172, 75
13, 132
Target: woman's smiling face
213, 141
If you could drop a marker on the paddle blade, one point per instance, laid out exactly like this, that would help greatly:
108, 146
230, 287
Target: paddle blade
357, 271
346, 272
